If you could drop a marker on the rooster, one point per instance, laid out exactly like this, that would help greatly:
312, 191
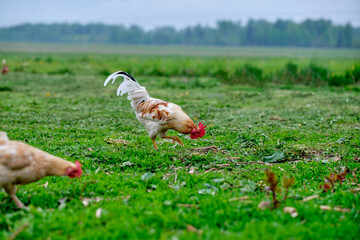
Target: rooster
5, 68
156, 115
22, 164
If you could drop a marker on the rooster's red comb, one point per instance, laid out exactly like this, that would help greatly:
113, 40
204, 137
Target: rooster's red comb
202, 130
201, 125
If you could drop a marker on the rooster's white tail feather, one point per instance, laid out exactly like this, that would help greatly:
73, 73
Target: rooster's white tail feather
136, 93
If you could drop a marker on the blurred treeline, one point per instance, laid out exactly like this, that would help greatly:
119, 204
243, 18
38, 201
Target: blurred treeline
309, 33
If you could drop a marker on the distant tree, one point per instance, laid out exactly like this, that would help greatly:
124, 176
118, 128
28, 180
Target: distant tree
228, 33
250, 33
348, 35
309, 33
163, 35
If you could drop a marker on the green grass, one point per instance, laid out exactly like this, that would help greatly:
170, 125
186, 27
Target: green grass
70, 114
177, 50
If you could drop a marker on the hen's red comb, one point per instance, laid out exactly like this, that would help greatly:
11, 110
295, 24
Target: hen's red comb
78, 165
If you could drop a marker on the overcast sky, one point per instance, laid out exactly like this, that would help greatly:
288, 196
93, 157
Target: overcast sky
178, 13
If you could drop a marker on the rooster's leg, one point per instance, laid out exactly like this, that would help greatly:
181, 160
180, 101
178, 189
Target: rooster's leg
156, 147
11, 191
174, 138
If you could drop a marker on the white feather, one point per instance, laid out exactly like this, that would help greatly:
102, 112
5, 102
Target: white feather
112, 76
136, 93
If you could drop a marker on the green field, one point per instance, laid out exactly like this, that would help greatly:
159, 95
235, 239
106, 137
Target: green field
55, 100
180, 50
